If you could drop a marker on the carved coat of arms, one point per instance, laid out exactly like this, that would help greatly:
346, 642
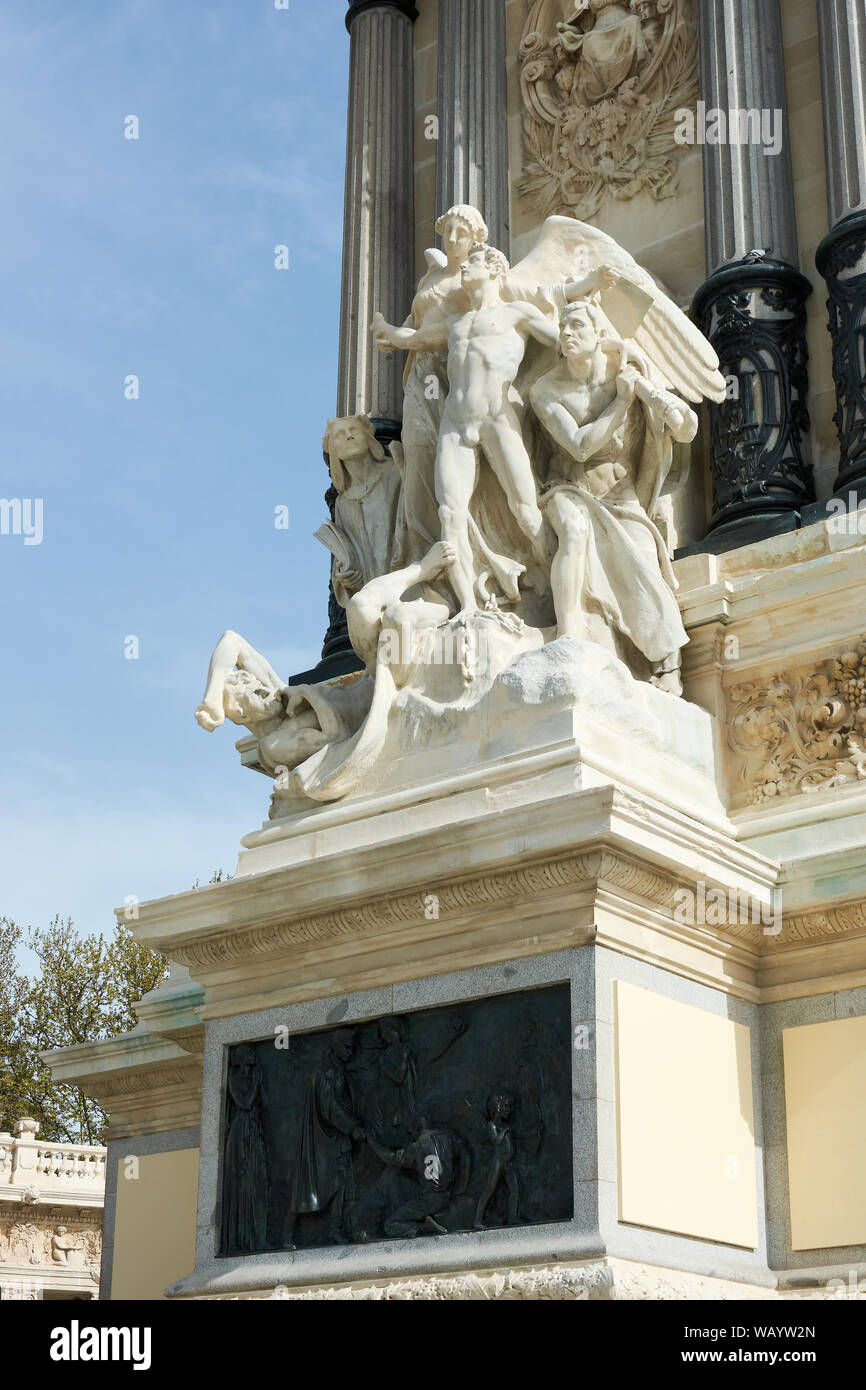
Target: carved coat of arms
601, 82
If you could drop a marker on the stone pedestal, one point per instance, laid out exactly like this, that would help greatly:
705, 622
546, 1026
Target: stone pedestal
686, 877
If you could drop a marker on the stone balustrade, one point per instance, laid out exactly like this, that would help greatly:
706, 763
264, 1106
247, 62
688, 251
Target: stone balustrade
69, 1171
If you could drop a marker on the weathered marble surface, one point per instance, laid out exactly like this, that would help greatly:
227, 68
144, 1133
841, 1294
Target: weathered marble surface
523, 503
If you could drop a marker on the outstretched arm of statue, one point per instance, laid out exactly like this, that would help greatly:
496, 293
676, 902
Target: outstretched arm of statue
387, 336
603, 278
540, 326
393, 1157
231, 651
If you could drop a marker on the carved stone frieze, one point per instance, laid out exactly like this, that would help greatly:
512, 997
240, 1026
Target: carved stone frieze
601, 83
404, 909
801, 730
52, 1237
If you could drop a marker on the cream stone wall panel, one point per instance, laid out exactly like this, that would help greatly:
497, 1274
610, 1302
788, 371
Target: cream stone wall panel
825, 1103
426, 26
685, 1119
802, 77
799, 21
154, 1227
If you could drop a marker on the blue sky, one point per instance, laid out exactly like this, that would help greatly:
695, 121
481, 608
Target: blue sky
155, 257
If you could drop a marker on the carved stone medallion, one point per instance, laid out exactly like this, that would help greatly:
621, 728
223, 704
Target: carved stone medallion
602, 81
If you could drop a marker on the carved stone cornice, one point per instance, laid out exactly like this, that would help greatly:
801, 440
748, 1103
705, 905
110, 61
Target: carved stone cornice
145, 1099
824, 922
589, 868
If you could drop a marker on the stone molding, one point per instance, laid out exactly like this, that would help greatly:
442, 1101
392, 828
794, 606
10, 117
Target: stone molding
148, 1100
607, 870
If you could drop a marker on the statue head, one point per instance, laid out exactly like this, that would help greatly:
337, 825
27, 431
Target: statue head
344, 1044
246, 700
349, 437
244, 1057
500, 1106
392, 1030
461, 228
483, 263
583, 327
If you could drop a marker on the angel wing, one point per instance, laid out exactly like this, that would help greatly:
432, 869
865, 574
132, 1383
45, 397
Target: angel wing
678, 355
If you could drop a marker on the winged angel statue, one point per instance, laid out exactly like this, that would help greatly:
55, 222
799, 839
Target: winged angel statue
541, 406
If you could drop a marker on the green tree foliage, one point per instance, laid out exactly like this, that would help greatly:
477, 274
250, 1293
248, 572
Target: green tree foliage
84, 989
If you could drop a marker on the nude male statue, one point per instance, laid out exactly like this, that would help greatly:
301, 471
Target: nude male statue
486, 346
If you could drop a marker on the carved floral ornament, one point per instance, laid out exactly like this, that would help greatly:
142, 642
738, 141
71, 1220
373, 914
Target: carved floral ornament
601, 83
802, 730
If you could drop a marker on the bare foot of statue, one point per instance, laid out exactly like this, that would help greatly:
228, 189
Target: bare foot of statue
434, 1228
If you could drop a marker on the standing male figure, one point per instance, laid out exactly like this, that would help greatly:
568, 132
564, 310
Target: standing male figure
486, 346
323, 1178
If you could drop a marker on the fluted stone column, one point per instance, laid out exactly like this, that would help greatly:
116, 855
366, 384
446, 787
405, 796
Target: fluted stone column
379, 215
752, 307
841, 257
378, 242
472, 152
